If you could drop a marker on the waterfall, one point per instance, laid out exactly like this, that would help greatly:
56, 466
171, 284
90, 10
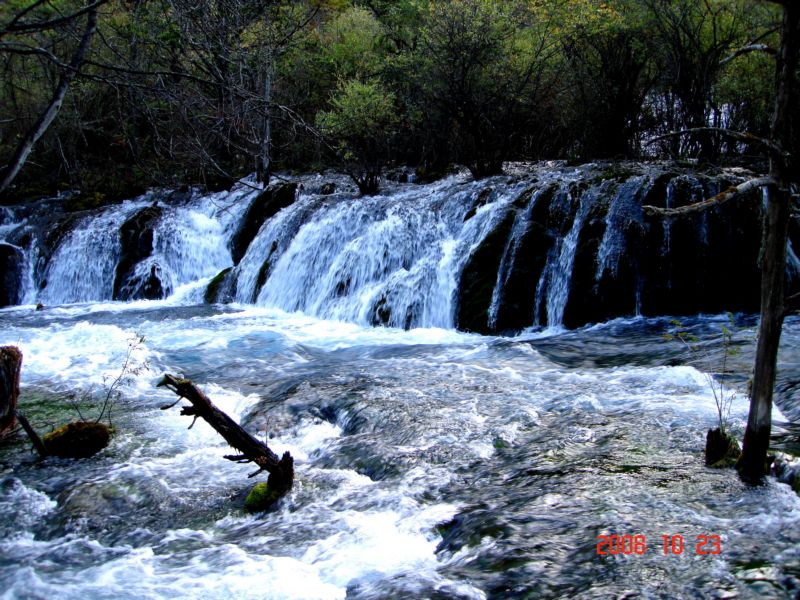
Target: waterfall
389, 259
509, 259
559, 271
502, 253
84, 265
624, 209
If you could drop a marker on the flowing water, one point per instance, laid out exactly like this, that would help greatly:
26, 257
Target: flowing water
429, 462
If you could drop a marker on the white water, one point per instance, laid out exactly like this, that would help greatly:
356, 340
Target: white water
355, 256
153, 515
559, 271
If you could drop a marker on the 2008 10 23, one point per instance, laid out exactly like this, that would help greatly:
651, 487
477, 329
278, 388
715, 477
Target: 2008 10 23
671, 544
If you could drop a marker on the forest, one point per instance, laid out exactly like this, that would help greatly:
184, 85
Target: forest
170, 92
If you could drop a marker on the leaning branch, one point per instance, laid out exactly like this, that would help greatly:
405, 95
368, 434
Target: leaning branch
21, 27
731, 193
250, 449
774, 150
747, 50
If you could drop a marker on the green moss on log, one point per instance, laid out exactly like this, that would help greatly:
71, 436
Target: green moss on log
77, 440
260, 498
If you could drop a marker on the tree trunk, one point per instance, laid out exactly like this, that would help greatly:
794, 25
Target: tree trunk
264, 171
752, 465
281, 471
10, 366
39, 128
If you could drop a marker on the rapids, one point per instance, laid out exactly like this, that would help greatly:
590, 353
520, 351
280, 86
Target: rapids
430, 463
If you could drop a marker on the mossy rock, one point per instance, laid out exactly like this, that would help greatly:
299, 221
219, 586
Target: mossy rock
327, 188
722, 450
213, 289
260, 498
80, 439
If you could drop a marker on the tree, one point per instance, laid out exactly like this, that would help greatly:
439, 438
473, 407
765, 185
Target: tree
689, 42
15, 41
361, 124
753, 463
482, 72
781, 148
608, 75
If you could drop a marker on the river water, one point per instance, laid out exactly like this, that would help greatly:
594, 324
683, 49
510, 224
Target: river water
429, 463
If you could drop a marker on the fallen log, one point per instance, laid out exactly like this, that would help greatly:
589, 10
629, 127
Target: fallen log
281, 470
10, 367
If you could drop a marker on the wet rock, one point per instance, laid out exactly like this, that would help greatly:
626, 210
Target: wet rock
327, 188
482, 200
722, 449
479, 277
80, 439
265, 206
137, 246
10, 366
215, 292
786, 469
11, 265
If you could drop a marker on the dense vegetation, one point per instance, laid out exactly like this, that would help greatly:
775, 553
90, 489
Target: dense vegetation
176, 91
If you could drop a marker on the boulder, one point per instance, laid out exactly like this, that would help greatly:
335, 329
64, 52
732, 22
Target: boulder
137, 245
265, 206
11, 265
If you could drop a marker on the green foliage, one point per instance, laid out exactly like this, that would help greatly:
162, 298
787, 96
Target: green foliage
360, 123
182, 91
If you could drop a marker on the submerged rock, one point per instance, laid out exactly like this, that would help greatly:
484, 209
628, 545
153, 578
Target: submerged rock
80, 439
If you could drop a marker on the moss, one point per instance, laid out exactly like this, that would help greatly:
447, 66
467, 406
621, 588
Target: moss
260, 498
722, 450
212, 291
499, 443
80, 439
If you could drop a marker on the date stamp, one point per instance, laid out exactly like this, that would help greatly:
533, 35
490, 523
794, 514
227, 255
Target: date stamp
670, 544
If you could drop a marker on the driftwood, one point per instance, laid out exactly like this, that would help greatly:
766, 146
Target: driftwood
281, 471
10, 366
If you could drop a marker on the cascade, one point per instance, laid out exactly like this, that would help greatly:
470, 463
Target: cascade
623, 210
559, 271
550, 246
83, 266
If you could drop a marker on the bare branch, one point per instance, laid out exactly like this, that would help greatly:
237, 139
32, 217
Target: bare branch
731, 193
16, 27
774, 149
747, 50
